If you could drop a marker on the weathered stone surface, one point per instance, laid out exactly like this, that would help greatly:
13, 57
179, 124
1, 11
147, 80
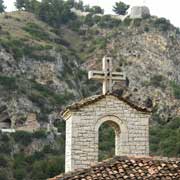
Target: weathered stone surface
31, 123
82, 125
139, 12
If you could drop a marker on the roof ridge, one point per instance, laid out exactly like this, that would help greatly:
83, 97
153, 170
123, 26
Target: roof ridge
95, 98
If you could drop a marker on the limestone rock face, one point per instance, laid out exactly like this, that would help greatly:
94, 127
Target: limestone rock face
52, 73
31, 123
139, 12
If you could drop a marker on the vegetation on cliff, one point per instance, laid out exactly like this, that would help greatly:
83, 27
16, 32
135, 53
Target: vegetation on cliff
44, 67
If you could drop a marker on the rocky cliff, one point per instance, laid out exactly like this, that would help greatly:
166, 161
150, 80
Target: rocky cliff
39, 71
42, 69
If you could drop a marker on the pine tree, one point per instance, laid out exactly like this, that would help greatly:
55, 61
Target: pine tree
2, 7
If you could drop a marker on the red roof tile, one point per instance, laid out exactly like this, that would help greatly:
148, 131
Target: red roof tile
128, 168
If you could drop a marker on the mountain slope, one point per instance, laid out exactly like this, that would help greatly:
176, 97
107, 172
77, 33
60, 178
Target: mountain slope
42, 69
51, 62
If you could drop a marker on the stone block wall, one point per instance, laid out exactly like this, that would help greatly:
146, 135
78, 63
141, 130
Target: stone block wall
131, 129
139, 12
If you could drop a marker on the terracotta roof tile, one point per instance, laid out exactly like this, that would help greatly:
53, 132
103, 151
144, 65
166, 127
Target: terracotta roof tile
128, 168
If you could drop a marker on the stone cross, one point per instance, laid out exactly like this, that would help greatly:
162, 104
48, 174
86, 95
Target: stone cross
107, 76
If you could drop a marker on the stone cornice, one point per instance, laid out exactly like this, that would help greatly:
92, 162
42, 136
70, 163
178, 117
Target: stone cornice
90, 100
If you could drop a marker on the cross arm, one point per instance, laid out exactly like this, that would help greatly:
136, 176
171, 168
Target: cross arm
99, 75
118, 76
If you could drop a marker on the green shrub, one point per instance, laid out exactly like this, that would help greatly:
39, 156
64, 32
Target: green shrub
13, 46
36, 31
40, 134
20, 174
108, 22
164, 139
62, 42
176, 89
127, 21
4, 138
34, 157
60, 125
45, 94
44, 169
47, 149
94, 10
89, 20
9, 83
38, 156
146, 29
20, 48
3, 161
96, 19
157, 81
23, 137
63, 98
75, 25
44, 90
137, 22
100, 42
55, 165
19, 161
5, 148
162, 24
3, 174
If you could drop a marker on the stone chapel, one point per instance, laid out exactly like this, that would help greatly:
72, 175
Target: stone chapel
83, 119
131, 125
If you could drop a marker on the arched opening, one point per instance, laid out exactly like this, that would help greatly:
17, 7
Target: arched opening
106, 141
110, 124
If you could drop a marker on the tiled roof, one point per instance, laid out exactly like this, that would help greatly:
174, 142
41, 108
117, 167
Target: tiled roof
93, 99
128, 168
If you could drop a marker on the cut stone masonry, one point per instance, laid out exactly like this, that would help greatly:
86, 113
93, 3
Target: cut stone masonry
83, 119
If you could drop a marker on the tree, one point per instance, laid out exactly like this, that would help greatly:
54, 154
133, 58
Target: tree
96, 10
70, 3
32, 6
2, 7
20, 4
28, 5
87, 8
79, 5
55, 12
121, 8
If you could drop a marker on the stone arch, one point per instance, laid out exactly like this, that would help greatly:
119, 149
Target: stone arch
121, 133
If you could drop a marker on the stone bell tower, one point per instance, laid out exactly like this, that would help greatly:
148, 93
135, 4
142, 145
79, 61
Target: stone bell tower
83, 119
